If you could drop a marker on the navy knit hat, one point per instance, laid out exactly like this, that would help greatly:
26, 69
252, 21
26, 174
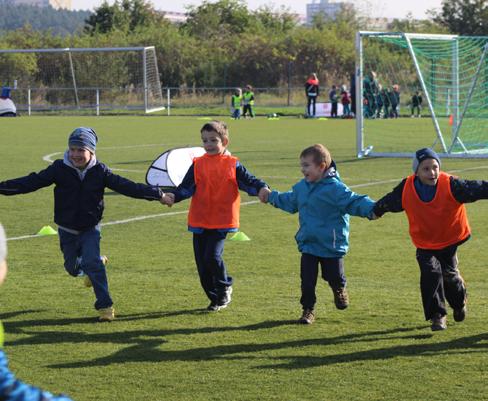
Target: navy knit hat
421, 155
84, 138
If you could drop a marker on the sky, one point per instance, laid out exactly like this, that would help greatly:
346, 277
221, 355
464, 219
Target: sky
373, 8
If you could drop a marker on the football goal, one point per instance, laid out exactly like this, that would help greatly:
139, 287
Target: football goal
421, 90
90, 80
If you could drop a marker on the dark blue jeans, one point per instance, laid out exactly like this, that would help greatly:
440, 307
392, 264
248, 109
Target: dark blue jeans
332, 272
82, 252
208, 248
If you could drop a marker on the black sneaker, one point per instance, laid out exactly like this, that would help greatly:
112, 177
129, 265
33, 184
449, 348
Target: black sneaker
213, 307
438, 322
225, 299
459, 314
308, 317
341, 297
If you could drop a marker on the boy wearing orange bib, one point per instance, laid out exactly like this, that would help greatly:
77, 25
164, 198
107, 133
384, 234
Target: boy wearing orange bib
213, 182
438, 224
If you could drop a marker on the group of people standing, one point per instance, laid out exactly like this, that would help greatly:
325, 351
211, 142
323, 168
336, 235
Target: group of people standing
242, 104
336, 96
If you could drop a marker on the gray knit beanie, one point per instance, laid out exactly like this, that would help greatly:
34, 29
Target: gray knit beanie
421, 155
3, 244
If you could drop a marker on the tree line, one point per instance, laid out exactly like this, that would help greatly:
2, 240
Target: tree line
224, 43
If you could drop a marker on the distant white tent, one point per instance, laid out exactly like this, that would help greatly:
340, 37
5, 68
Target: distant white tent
7, 107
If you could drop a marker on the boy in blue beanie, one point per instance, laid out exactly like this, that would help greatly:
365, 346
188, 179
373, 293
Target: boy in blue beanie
80, 180
434, 203
12, 389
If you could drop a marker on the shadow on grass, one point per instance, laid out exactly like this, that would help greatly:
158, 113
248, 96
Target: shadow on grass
145, 345
463, 345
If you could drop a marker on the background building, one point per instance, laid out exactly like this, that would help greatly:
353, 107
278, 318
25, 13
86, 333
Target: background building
324, 7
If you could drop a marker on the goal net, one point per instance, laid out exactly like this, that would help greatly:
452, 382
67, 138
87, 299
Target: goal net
82, 79
420, 90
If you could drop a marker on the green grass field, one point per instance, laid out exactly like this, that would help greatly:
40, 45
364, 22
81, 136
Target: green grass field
164, 346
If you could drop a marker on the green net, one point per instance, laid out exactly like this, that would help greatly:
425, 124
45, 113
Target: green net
425, 91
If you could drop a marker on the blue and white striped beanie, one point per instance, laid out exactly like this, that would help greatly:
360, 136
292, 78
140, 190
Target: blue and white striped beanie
84, 137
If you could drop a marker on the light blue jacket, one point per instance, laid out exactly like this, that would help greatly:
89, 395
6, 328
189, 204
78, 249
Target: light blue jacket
323, 210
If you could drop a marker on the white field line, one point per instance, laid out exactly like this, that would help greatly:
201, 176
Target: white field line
168, 214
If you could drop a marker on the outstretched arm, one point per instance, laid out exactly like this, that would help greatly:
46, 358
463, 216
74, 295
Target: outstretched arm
351, 202
467, 191
29, 183
286, 201
248, 182
391, 202
130, 188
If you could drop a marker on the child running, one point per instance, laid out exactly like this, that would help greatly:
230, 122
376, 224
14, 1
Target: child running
434, 203
323, 203
80, 180
213, 181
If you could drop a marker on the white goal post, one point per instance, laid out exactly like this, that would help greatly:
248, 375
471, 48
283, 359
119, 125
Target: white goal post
114, 79
421, 90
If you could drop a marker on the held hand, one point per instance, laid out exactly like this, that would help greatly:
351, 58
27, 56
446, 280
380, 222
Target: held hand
263, 194
168, 199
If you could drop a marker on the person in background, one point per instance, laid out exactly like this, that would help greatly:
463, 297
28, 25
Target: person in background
346, 102
235, 103
416, 105
248, 102
312, 90
333, 98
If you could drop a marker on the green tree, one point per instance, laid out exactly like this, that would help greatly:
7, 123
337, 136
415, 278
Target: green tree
221, 19
464, 17
125, 15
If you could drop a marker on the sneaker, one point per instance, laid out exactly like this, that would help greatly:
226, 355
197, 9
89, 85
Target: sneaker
341, 298
226, 298
308, 317
460, 314
106, 314
438, 322
86, 279
214, 307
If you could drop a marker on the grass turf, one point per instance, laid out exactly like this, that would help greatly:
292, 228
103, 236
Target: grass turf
164, 346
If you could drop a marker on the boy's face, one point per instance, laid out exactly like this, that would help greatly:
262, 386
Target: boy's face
428, 172
212, 143
312, 171
78, 156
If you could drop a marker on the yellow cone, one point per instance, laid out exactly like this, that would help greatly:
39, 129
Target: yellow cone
239, 236
47, 230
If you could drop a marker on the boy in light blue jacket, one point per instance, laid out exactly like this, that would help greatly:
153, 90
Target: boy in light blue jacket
323, 203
